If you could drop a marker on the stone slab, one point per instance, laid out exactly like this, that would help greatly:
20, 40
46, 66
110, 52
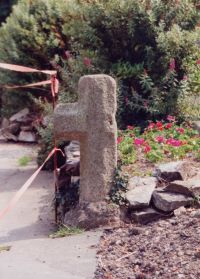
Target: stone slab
19, 117
168, 202
93, 215
27, 136
140, 196
189, 187
172, 171
136, 181
146, 215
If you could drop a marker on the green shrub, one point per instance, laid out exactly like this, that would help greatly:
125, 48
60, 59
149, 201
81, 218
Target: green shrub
134, 41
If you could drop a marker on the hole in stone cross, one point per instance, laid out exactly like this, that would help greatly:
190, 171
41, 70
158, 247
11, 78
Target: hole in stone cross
68, 183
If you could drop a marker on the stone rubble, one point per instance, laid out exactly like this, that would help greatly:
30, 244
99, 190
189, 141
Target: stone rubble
148, 199
19, 127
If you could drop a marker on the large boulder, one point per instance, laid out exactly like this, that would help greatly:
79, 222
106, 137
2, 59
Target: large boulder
168, 202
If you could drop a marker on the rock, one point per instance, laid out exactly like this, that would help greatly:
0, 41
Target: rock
27, 136
135, 231
167, 202
2, 138
26, 128
145, 216
20, 116
190, 187
141, 181
179, 211
196, 125
197, 253
8, 136
140, 196
72, 150
5, 123
173, 171
92, 121
195, 214
93, 215
14, 128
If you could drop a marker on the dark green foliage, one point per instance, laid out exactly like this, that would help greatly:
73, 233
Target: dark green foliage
134, 41
117, 193
5, 8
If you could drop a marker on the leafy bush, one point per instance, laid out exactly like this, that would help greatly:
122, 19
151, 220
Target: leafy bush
134, 41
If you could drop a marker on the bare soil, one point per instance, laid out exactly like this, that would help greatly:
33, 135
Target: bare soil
166, 249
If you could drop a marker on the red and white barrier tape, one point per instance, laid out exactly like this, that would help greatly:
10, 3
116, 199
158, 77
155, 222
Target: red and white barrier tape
54, 91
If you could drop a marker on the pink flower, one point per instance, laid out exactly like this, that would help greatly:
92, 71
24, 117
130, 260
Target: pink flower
168, 125
119, 140
145, 72
145, 103
147, 148
160, 139
174, 142
198, 62
151, 126
159, 125
185, 77
170, 118
67, 54
129, 127
172, 64
180, 130
126, 100
139, 141
87, 61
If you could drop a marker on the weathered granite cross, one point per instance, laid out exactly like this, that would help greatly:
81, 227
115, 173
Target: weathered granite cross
92, 121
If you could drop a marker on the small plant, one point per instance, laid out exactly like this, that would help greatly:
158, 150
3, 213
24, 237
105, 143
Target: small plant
64, 231
23, 161
119, 188
5, 248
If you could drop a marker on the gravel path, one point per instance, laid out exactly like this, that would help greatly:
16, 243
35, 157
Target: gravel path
166, 249
26, 228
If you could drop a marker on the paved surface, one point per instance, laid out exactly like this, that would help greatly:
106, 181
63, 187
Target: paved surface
26, 228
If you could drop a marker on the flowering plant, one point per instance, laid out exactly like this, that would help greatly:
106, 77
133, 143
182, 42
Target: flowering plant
159, 141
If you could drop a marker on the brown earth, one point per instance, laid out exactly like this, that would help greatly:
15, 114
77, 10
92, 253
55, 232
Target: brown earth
166, 249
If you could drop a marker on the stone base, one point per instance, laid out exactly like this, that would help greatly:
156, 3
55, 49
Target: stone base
93, 215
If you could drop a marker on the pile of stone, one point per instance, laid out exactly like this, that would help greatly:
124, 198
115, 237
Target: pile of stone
20, 127
173, 187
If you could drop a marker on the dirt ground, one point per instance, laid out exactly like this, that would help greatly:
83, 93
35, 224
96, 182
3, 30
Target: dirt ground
166, 249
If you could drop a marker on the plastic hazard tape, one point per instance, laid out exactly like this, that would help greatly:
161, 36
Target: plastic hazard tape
25, 186
17, 68
53, 81
22, 69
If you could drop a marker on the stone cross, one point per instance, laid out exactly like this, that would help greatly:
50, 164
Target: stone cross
92, 122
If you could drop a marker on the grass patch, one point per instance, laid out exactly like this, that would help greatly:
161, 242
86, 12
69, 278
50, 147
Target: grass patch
64, 231
23, 161
4, 248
